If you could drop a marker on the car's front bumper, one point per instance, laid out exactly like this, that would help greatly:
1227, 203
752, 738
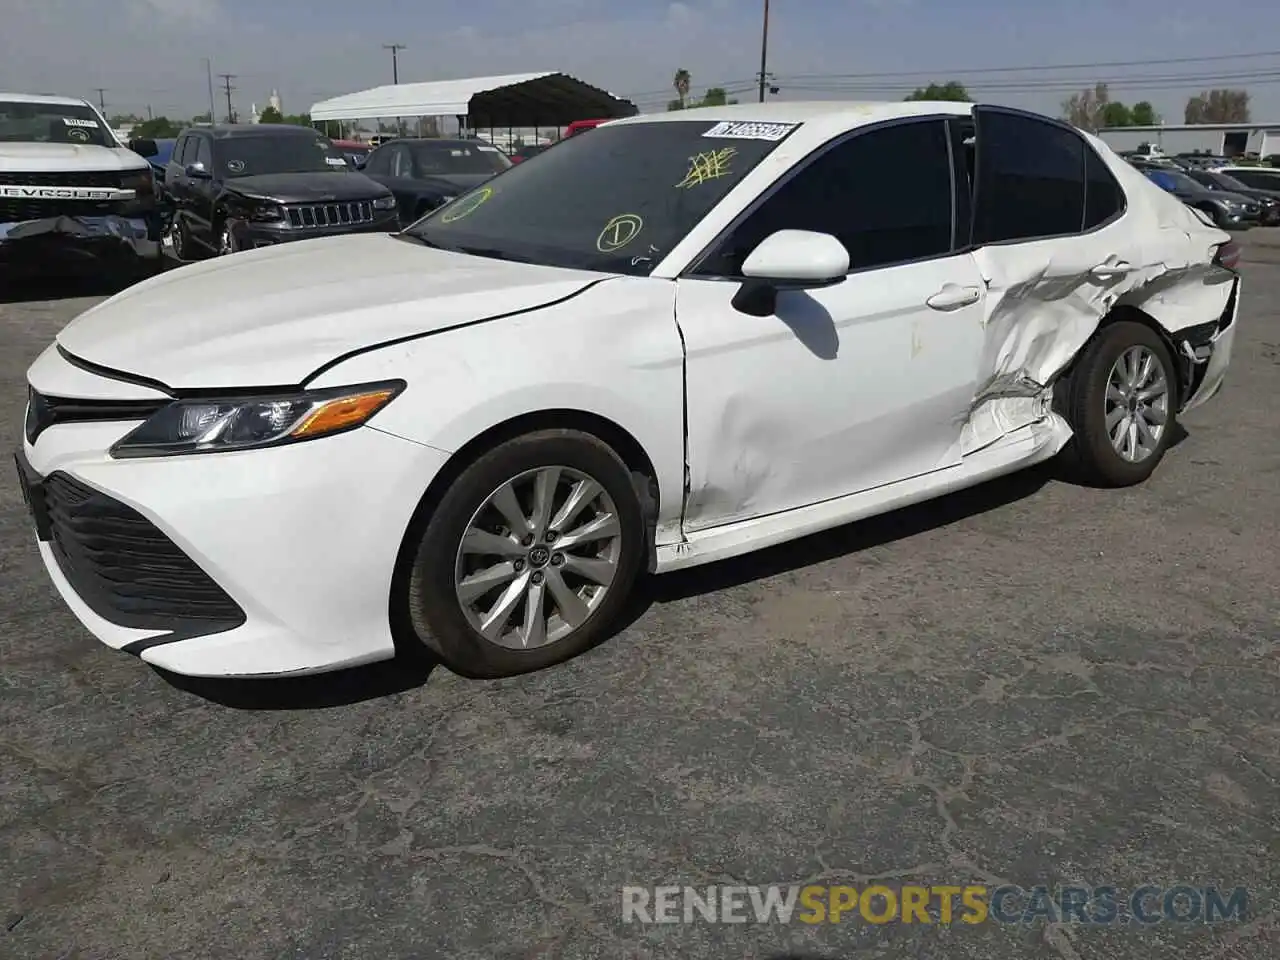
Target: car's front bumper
256, 563
59, 242
251, 234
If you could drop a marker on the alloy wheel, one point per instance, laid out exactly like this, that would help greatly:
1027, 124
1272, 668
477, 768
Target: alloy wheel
538, 557
1137, 403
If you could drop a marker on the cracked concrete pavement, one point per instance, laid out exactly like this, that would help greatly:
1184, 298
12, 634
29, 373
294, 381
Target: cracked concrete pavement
1029, 683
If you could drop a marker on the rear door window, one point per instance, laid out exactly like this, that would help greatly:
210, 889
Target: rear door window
1030, 178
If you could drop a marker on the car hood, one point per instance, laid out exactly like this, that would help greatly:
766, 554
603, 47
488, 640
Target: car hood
272, 317
65, 158
306, 187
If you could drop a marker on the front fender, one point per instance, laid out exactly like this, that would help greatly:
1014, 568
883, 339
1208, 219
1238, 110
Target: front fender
614, 351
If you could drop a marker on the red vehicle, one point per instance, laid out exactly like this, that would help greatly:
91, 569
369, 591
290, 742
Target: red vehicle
354, 151
580, 125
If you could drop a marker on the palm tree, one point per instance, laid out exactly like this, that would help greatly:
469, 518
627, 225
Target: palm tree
681, 83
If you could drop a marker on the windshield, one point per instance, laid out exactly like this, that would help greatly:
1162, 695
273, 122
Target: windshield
617, 201
1181, 181
252, 156
434, 159
25, 122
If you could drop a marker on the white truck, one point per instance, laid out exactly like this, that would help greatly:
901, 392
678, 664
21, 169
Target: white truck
70, 192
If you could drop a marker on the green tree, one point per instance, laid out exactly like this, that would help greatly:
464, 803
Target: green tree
157, 128
1218, 106
271, 115
715, 97
296, 119
682, 80
1087, 108
1116, 114
1144, 114
952, 90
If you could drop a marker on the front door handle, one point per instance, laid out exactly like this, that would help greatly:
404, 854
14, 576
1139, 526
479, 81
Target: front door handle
953, 296
1108, 271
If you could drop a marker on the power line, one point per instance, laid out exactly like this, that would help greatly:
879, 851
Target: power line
1036, 68
929, 73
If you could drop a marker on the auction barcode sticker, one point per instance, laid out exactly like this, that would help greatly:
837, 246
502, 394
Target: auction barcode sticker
750, 130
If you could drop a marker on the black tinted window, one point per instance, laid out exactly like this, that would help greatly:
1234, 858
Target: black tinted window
886, 194
1258, 180
1103, 197
444, 157
1030, 179
378, 162
288, 153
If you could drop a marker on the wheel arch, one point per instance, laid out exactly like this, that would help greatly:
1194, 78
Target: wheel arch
617, 437
1128, 312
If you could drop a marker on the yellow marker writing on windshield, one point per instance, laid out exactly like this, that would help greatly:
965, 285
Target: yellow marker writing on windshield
618, 232
711, 165
466, 206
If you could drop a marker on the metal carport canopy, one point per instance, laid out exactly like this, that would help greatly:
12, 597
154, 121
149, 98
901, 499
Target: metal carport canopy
518, 100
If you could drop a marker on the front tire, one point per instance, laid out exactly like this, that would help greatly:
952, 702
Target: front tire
1121, 401
530, 556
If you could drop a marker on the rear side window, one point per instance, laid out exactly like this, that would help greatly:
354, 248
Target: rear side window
1103, 198
1257, 179
1031, 181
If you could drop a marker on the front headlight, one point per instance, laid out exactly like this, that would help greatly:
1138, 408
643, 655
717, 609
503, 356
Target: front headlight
384, 203
142, 182
244, 423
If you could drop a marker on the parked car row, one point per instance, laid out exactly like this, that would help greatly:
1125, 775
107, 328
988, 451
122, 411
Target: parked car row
1224, 194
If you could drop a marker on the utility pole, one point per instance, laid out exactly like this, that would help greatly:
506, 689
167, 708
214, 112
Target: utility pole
208, 70
150, 115
102, 99
764, 52
395, 48
226, 80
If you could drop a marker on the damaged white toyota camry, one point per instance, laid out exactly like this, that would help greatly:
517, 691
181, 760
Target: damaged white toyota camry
680, 338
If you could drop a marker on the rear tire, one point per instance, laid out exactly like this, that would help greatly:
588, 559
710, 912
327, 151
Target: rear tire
563, 576
1121, 401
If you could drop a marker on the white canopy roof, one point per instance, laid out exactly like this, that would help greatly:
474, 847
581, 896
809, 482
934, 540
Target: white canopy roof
514, 100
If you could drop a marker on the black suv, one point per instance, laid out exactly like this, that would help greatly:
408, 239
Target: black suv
237, 187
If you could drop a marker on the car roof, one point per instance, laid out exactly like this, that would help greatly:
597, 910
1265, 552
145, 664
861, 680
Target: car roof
449, 142
45, 99
230, 131
829, 112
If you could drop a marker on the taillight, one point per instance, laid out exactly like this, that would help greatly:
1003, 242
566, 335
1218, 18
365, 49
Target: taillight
1228, 255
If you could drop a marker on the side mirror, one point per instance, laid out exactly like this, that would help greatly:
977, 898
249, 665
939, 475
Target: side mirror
789, 260
196, 171
144, 147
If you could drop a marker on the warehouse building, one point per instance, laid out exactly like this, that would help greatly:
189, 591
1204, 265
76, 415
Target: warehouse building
1217, 139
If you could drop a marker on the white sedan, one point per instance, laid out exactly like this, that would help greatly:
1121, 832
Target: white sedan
685, 337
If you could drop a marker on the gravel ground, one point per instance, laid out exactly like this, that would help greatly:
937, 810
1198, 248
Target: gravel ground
1029, 683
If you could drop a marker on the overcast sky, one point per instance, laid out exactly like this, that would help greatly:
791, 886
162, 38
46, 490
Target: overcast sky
149, 52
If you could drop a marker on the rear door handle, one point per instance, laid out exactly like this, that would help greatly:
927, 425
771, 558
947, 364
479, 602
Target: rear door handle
953, 296
1106, 271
